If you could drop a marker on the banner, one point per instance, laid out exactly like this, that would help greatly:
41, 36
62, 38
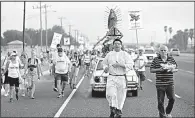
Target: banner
81, 40
56, 40
135, 19
66, 40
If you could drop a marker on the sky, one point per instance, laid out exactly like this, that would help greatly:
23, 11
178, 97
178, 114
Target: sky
90, 18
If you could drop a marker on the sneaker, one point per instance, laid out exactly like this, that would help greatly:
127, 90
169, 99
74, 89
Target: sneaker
74, 87
141, 88
6, 94
11, 100
59, 96
112, 112
169, 116
62, 94
23, 94
118, 113
55, 89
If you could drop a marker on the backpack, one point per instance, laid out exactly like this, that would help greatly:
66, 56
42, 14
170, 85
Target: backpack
29, 60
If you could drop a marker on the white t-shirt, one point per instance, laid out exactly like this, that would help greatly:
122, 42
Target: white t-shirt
13, 69
62, 64
140, 62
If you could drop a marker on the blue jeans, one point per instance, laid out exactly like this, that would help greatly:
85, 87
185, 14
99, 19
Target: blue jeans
161, 90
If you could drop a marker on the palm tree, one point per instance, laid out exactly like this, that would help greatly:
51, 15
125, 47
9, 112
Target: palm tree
165, 29
191, 34
170, 31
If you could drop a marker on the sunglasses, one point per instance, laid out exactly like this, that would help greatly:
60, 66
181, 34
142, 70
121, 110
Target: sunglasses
163, 50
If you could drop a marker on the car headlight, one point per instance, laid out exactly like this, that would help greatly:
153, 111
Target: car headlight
97, 79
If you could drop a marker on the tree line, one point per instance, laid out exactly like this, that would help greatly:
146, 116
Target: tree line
32, 36
180, 39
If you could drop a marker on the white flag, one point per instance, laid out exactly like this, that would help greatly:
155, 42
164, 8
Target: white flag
66, 41
135, 19
56, 40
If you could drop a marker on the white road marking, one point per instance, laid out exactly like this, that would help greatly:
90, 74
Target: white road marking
187, 71
57, 115
177, 96
149, 80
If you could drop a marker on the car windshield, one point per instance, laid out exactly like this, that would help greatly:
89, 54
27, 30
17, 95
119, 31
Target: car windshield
100, 65
175, 49
149, 52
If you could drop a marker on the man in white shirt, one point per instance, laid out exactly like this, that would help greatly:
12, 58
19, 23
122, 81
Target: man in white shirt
140, 63
62, 67
117, 63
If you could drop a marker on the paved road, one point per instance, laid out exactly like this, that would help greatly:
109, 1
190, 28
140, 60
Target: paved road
81, 104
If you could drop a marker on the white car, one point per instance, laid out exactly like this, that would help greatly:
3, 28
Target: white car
150, 54
99, 80
174, 51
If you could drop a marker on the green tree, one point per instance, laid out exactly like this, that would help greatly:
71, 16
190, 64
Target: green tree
11, 35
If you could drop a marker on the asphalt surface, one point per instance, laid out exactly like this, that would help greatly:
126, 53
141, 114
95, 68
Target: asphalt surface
82, 104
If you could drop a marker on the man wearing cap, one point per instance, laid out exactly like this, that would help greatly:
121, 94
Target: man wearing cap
164, 66
140, 63
117, 63
62, 67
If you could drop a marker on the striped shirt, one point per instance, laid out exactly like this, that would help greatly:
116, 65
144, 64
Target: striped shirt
163, 77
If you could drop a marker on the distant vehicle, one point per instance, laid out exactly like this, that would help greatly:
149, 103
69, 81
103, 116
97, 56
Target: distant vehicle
150, 54
99, 80
174, 51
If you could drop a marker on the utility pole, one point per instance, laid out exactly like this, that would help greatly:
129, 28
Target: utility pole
76, 36
39, 7
69, 34
24, 24
45, 6
61, 18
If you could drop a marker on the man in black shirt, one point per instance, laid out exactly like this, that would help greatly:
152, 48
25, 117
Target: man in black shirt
164, 66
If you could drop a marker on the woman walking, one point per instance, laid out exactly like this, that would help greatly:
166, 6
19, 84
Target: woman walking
75, 69
33, 75
12, 67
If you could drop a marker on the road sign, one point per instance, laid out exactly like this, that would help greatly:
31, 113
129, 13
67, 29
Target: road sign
135, 19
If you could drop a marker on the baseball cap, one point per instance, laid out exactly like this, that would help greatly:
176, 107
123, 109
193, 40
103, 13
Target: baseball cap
13, 54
